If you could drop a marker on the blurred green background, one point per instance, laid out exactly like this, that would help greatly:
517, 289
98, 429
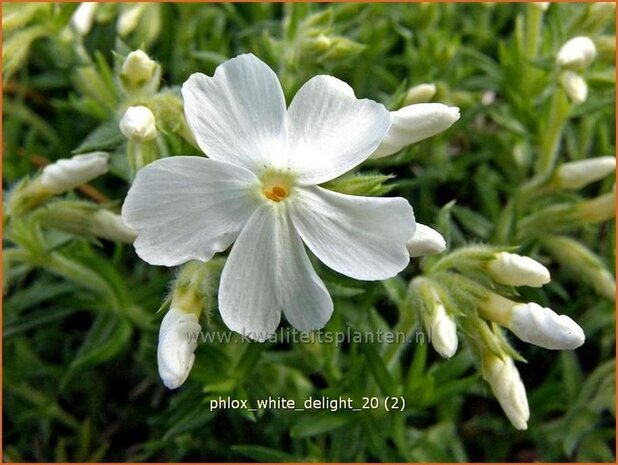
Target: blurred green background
80, 380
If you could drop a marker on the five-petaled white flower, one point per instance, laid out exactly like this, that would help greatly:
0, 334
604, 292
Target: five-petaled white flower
259, 189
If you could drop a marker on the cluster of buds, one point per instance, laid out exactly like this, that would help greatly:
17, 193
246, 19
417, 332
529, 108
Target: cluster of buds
465, 288
573, 58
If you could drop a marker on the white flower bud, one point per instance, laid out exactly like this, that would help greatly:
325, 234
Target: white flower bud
178, 338
129, 19
138, 124
543, 6
545, 328
507, 386
442, 331
68, 173
426, 241
138, 69
414, 123
575, 86
83, 17
577, 53
420, 94
110, 226
515, 270
577, 174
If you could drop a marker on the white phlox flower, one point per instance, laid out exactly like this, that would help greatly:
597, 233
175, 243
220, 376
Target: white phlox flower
68, 173
414, 123
259, 190
178, 337
426, 241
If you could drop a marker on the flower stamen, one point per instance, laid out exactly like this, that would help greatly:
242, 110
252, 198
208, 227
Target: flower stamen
276, 186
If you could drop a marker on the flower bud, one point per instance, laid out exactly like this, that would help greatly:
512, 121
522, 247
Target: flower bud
177, 343
577, 53
596, 210
575, 86
85, 219
426, 241
414, 123
83, 17
507, 386
442, 331
420, 94
138, 70
515, 270
545, 328
68, 173
129, 19
110, 226
577, 174
138, 124
543, 6
582, 263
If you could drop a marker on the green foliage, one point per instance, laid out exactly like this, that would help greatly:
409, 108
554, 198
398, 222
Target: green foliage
80, 321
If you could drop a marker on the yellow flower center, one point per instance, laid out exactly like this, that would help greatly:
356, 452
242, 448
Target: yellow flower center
276, 186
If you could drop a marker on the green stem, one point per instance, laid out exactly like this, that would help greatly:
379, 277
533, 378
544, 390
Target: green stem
551, 132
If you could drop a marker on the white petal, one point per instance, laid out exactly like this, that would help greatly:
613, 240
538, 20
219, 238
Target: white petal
188, 208
414, 123
426, 241
238, 115
301, 293
247, 296
361, 237
330, 130
268, 270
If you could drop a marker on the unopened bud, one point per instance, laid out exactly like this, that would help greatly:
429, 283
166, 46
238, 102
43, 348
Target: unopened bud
421, 93
545, 328
83, 17
129, 19
110, 226
138, 124
575, 86
543, 6
583, 263
414, 123
577, 174
178, 338
507, 386
68, 173
577, 53
515, 270
442, 331
596, 210
139, 70
426, 241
